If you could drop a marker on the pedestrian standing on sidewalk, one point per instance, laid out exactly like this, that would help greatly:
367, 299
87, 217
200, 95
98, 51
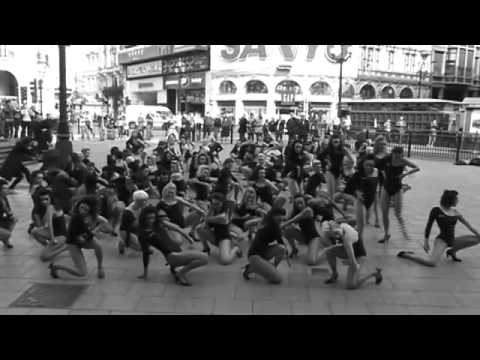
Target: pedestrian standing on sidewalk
26, 120
7, 219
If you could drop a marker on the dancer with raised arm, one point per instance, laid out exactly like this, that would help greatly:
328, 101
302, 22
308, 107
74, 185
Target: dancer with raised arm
446, 216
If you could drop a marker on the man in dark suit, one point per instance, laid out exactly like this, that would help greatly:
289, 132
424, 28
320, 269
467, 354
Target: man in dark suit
304, 127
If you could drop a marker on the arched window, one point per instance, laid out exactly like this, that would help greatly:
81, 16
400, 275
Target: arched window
388, 93
349, 91
256, 87
288, 86
227, 87
321, 88
367, 92
406, 93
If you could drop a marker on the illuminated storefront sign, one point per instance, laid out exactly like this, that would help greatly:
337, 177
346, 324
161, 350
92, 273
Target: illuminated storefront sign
186, 81
152, 68
186, 64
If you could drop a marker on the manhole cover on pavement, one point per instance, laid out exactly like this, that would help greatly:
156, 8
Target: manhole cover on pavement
49, 296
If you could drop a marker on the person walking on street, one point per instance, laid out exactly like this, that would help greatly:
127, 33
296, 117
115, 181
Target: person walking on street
242, 128
26, 120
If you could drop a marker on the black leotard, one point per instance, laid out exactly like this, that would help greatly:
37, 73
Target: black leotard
59, 225
201, 190
313, 183
446, 224
307, 226
264, 193
221, 232
392, 182
245, 214
174, 212
366, 184
326, 212
264, 237
158, 239
336, 162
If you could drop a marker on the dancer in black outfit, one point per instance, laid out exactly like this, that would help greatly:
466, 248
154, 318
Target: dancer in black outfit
154, 232
364, 186
335, 154
446, 217
393, 174
267, 245
347, 245
82, 232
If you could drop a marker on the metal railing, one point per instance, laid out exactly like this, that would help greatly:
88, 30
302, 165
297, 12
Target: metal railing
449, 146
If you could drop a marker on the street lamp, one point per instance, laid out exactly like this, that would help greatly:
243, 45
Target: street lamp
339, 54
424, 56
63, 145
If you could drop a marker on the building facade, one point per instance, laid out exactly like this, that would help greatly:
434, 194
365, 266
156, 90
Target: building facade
100, 78
456, 72
167, 75
261, 78
22, 66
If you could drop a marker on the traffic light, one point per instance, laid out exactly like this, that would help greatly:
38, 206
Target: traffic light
23, 94
34, 90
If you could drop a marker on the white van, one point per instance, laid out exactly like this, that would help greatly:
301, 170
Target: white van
159, 114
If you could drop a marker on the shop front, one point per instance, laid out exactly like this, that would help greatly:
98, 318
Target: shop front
186, 93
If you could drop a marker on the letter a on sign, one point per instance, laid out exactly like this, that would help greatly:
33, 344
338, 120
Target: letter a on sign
289, 52
251, 50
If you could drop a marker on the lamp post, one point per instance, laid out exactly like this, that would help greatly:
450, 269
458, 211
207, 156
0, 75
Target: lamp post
63, 145
339, 54
424, 56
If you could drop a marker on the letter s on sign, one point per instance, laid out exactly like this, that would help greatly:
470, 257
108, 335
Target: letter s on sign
231, 52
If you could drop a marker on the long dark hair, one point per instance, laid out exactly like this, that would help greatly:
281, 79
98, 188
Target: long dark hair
360, 169
142, 219
91, 202
331, 149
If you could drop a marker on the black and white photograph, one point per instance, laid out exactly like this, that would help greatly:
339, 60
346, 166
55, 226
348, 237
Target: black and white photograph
239, 179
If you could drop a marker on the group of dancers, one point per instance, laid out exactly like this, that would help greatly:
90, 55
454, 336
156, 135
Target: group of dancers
271, 198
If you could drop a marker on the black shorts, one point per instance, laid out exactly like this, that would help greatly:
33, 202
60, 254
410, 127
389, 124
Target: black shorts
358, 251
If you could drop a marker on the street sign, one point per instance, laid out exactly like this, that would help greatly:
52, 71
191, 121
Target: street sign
336, 53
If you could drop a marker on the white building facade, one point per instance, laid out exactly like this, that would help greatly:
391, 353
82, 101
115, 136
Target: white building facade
22, 64
251, 78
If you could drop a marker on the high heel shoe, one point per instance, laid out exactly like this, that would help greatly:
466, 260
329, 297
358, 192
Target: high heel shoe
378, 276
53, 271
450, 254
179, 280
385, 240
206, 249
294, 253
245, 272
333, 279
239, 253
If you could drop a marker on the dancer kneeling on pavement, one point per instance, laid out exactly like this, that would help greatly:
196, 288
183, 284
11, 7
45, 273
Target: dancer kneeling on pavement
306, 233
7, 219
50, 228
154, 232
128, 229
347, 245
446, 216
267, 245
82, 234
216, 231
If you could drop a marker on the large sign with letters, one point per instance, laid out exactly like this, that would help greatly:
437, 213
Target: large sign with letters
270, 59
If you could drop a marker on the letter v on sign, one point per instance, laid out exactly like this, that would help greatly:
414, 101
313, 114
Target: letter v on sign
289, 52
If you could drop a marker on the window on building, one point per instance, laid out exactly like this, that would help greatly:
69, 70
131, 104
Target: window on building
227, 87
406, 93
256, 87
438, 59
321, 88
388, 93
349, 91
461, 62
369, 58
469, 69
288, 86
367, 92
413, 58
391, 59
3, 51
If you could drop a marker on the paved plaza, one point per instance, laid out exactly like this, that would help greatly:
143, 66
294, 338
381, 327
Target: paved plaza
408, 288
